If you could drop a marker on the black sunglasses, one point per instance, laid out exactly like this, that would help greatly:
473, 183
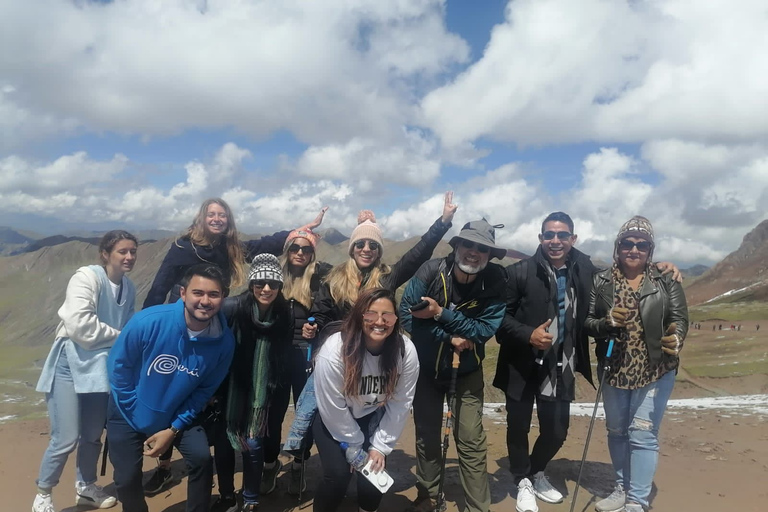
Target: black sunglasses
628, 245
561, 235
304, 249
261, 283
360, 244
480, 247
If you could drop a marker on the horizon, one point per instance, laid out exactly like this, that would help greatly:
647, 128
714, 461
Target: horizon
603, 110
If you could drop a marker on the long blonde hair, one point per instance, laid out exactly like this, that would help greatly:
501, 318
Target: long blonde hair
198, 235
346, 280
299, 287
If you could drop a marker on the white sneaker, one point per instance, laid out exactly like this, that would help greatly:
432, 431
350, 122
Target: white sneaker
43, 503
614, 502
544, 490
93, 496
526, 499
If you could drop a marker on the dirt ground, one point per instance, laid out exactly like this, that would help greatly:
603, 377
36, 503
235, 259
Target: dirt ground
710, 461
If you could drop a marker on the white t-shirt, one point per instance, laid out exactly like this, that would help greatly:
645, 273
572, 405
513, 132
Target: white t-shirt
339, 412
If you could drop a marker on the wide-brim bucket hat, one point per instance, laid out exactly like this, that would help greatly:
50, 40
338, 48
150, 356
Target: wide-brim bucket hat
480, 232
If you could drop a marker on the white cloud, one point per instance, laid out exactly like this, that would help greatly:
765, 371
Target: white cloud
622, 71
325, 71
70, 172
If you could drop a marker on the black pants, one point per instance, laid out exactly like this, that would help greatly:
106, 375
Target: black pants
126, 447
554, 419
297, 366
333, 486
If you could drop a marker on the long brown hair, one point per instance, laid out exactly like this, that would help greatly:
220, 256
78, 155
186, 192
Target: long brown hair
353, 345
109, 241
198, 235
345, 280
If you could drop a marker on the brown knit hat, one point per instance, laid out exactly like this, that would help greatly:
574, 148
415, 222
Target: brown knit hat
302, 232
366, 229
637, 227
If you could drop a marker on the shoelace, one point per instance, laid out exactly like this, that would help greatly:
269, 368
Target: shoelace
543, 481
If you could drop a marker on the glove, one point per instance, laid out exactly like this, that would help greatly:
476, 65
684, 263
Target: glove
616, 320
671, 342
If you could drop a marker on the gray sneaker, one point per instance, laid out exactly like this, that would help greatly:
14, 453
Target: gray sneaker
633, 507
614, 502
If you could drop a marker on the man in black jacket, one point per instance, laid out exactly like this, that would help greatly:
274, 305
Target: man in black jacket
542, 346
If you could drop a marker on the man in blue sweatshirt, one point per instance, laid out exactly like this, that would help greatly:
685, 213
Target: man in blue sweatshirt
164, 368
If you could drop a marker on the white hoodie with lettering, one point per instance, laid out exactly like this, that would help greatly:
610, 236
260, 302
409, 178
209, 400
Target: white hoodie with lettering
339, 412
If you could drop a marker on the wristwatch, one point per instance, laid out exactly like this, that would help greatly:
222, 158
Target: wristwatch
174, 430
436, 318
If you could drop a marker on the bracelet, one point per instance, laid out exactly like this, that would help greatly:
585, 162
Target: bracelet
174, 430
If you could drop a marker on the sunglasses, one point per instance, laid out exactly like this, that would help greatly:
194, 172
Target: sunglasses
471, 245
261, 283
360, 244
304, 249
561, 235
373, 316
628, 245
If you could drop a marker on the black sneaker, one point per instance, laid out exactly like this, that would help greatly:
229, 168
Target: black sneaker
269, 478
296, 484
158, 481
225, 504
250, 507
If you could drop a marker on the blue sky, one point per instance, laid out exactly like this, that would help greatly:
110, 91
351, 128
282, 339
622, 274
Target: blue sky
131, 113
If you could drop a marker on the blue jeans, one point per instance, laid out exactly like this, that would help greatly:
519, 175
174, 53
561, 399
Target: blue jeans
253, 466
126, 447
633, 418
77, 421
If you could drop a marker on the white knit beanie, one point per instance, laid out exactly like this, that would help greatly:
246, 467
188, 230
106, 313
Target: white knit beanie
366, 229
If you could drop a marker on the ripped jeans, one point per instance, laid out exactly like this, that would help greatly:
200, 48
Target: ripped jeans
633, 417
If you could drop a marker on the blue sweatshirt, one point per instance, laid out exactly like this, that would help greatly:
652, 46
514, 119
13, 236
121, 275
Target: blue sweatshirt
160, 377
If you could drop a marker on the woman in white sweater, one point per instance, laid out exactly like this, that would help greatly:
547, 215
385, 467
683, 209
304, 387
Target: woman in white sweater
99, 301
365, 378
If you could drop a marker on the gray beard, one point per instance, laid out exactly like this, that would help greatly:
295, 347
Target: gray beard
471, 270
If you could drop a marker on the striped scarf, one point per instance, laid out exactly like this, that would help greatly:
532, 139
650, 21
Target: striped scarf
245, 422
561, 348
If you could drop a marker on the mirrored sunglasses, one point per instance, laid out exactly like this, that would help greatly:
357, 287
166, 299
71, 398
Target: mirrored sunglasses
360, 244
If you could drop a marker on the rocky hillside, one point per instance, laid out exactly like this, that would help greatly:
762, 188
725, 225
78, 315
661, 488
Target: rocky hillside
742, 274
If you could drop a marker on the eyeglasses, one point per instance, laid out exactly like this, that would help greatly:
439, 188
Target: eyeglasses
628, 245
561, 235
360, 244
471, 245
373, 316
261, 283
304, 249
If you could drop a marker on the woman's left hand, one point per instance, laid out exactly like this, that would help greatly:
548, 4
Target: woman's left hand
319, 219
670, 342
378, 460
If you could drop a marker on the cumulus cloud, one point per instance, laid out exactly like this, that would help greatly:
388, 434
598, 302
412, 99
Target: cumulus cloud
325, 71
560, 71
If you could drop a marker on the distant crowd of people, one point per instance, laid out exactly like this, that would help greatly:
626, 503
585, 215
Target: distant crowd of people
198, 367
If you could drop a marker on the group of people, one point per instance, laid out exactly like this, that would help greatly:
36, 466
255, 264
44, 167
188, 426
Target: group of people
207, 368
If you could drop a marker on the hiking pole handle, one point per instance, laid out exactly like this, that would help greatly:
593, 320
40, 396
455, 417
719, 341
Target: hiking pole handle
454, 372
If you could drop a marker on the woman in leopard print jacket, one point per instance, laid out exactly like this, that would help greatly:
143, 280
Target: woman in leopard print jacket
646, 315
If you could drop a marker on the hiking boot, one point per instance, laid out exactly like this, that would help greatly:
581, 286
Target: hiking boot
633, 507
526, 497
269, 478
43, 503
544, 490
93, 496
298, 482
614, 502
158, 481
225, 504
422, 504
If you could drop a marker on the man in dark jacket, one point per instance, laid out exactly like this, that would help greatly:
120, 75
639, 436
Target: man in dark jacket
542, 346
466, 305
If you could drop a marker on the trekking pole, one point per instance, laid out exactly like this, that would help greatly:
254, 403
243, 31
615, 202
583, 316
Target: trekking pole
310, 321
606, 369
440, 506
104, 457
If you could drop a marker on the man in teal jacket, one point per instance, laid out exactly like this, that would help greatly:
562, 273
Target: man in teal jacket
163, 369
466, 305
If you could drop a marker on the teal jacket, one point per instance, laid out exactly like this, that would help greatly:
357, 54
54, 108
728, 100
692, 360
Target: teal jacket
476, 318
